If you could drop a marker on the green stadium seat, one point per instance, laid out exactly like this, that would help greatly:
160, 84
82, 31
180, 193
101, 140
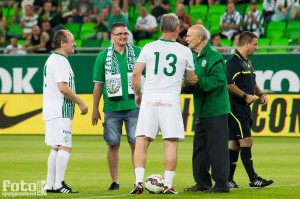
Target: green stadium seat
276, 30
5, 11
143, 42
215, 12
259, 7
241, 8
293, 30
215, 29
280, 42
198, 12
15, 30
78, 42
131, 12
157, 34
74, 28
91, 43
263, 42
105, 43
87, 29
226, 42
21, 42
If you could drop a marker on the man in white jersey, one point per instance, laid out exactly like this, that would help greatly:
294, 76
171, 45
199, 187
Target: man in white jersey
59, 100
166, 63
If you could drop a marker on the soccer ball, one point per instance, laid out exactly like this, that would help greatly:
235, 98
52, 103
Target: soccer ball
154, 184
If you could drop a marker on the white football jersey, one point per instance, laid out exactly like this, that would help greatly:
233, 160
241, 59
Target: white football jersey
55, 105
166, 63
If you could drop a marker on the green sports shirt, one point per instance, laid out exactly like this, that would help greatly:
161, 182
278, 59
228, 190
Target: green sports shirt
126, 103
211, 96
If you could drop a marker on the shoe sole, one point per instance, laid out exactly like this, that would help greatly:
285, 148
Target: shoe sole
262, 186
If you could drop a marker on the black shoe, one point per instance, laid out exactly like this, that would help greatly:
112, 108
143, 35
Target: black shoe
114, 186
216, 191
192, 189
232, 185
260, 182
65, 189
138, 188
168, 190
48, 189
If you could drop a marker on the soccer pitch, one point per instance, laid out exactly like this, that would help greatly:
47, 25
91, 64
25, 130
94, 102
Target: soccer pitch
24, 158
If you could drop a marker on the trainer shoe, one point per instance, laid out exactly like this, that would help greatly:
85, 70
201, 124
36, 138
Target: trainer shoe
138, 188
168, 190
48, 189
65, 189
114, 186
260, 182
232, 185
192, 189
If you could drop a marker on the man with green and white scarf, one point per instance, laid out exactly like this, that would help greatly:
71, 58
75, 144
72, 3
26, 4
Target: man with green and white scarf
112, 77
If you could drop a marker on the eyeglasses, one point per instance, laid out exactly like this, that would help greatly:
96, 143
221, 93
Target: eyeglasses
121, 34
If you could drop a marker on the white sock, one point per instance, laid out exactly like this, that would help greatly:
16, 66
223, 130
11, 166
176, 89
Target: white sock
169, 175
51, 167
61, 167
139, 174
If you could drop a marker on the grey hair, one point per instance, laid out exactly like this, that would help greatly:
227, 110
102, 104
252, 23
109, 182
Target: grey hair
203, 32
169, 22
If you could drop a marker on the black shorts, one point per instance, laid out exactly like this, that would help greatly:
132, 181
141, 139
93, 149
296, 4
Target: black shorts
239, 121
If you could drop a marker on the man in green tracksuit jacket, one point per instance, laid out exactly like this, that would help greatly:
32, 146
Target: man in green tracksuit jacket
211, 106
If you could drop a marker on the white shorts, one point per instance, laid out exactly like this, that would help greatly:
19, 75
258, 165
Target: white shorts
59, 132
161, 116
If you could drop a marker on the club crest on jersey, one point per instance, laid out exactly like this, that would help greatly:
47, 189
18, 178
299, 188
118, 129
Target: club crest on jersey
203, 64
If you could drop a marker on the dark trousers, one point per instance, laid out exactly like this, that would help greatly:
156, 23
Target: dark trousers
211, 150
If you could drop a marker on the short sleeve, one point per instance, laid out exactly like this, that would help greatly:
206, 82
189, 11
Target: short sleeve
98, 71
62, 72
232, 70
189, 61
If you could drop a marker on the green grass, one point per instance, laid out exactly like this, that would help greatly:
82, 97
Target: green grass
23, 157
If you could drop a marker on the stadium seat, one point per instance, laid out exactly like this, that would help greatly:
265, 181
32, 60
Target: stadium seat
226, 42
241, 8
143, 42
157, 34
280, 42
91, 43
276, 30
215, 12
78, 42
259, 7
214, 28
74, 28
87, 29
263, 42
15, 30
293, 30
198, 12
21, 42
5, 11
105, 43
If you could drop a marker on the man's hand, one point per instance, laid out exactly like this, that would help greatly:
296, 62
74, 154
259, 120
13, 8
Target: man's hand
192, 80
263, 99
250, 99
138, 99
83, 108
95, 117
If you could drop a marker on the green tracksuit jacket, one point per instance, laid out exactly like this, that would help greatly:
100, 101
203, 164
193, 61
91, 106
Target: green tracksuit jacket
211, 97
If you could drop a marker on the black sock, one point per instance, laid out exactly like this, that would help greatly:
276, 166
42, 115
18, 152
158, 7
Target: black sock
246, 157
233, 156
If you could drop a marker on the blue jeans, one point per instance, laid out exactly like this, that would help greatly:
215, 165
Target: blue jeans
113, 122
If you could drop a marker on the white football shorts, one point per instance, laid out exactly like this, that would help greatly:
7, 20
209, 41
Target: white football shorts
59, 132
161, 116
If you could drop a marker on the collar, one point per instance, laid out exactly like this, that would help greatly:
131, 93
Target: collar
204, 51
238, 54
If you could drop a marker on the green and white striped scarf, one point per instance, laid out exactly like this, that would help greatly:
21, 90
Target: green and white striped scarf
113, 76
